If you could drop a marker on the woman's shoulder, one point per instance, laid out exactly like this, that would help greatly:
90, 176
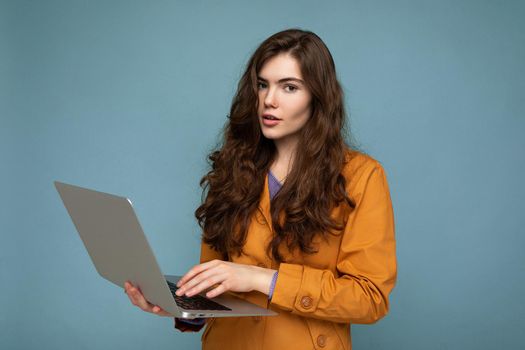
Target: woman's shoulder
357, 161
358, 167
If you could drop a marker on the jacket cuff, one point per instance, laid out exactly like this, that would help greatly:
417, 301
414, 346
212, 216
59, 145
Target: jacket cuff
185, 326
297, 288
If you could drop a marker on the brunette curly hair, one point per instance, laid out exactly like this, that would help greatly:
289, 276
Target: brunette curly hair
233, 187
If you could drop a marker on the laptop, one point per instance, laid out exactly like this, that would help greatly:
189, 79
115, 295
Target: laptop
113, 237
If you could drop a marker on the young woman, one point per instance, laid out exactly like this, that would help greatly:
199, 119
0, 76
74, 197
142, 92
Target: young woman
294, 219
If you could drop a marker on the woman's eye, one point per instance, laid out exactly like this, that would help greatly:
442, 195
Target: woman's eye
291, 88
261, 85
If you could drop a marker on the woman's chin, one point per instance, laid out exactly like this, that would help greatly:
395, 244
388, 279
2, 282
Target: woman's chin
270, 134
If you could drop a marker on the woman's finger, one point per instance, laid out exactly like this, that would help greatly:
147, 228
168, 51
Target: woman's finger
206, 283
208, 275
216, 291
139, 299
129, 292
159, 311
195, 270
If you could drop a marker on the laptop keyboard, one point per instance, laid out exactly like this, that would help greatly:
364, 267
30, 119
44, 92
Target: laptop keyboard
196, 302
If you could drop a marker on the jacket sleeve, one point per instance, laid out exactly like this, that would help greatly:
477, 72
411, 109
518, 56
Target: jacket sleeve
366, 264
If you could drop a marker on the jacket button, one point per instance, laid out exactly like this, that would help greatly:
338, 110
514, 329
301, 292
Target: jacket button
306, 302
321, 340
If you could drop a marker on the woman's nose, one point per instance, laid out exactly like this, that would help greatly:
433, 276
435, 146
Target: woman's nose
270, 99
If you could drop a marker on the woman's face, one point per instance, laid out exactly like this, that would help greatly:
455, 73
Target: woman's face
284, 100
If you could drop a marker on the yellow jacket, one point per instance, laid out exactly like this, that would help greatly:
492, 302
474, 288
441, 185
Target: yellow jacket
318, 296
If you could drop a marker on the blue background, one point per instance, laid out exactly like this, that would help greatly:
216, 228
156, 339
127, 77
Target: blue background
128, 97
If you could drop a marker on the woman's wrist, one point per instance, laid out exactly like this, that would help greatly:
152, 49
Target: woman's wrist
263, 279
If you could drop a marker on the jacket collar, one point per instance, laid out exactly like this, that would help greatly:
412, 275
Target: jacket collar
264, 202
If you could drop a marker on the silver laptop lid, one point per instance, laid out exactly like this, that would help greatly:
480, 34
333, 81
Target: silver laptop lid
114, 239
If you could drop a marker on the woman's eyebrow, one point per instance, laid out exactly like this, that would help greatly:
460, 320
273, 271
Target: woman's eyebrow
283, 80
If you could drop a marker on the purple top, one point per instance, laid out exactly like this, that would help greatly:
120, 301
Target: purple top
273, 184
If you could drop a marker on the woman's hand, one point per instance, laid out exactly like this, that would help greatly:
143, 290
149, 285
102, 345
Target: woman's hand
137, 299
229, 277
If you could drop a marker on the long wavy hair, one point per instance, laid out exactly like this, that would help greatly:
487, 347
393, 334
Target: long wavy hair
232, 188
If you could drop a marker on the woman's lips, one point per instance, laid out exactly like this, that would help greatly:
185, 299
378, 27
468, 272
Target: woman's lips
270, 120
